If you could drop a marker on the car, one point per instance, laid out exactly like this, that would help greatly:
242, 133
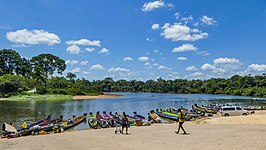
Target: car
233, 111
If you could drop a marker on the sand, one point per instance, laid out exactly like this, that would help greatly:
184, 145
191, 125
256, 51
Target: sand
207, 135
82, 97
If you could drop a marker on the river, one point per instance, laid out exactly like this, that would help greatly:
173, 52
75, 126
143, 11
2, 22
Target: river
30, 111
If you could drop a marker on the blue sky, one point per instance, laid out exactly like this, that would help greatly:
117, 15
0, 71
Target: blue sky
144, 39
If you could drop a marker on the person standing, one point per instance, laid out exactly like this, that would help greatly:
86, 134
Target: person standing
181, 120
124, 123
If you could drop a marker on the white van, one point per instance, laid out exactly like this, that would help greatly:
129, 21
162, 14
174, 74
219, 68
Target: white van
233, 111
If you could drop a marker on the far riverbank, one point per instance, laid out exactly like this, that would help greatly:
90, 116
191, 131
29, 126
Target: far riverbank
82, 97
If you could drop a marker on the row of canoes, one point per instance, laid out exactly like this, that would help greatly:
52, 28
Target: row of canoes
43, 126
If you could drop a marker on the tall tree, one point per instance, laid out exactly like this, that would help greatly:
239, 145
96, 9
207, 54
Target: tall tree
9, 61
44, 65
71, 76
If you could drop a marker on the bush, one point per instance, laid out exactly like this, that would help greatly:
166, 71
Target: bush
58, 91
41, 90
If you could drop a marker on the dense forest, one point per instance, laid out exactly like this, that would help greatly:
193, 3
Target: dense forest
19, 75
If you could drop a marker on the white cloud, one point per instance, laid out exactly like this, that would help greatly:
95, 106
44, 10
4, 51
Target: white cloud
85, 72
207, 20
118, 69
185, 48
186, 19
97, 67
71, 62
73, 49
226, 60
181, 58
149, 40
196, 74
32, 37
89, 49
84, 42
75, 70
207, 67
103, 51
155, 26
84, 63
257, 68
162, 67
179, 32
153, 5
156, 51
177, 15
143, 58
127, 59
203, 53
155, 64
191, 68
147, 64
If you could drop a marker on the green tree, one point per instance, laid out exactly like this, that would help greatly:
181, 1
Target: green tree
9, 61
44, 65
71, 77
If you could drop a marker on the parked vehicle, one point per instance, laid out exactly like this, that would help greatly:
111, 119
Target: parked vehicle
232, 111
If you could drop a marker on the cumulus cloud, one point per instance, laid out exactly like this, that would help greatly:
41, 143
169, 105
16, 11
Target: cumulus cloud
97, 67
143, 58
104, 51
71, 62
226, 60
181, 58
207, 67
73, 49
84, 42
207, 20
162, 67
257, 68
32, 37
118, 69
179, 32
155, 26
187, 19
185, 48
150, 6
89, 49
84, 63
75, 70
223, 67
191, 68
196, 74
127, 59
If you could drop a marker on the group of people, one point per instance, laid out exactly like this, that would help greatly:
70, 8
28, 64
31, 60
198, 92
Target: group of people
113, 119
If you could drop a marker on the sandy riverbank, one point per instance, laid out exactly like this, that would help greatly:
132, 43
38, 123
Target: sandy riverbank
204, 135
81, 97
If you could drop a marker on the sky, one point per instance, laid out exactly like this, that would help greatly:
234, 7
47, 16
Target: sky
140, 39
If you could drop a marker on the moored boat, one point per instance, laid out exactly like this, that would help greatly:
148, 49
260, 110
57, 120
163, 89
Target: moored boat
73, 122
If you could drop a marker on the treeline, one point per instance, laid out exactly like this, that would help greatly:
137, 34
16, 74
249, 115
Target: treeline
19, 75
236, 85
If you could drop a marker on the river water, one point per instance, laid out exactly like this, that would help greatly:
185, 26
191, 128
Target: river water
30, 111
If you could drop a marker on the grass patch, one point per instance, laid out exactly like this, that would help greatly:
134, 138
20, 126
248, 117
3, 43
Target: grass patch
41, 97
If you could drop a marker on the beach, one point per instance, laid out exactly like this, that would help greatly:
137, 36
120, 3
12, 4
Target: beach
82, 97
207, 134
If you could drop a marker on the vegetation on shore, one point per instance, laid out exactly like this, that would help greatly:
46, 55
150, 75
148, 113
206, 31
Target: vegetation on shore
41, 97
32, 78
